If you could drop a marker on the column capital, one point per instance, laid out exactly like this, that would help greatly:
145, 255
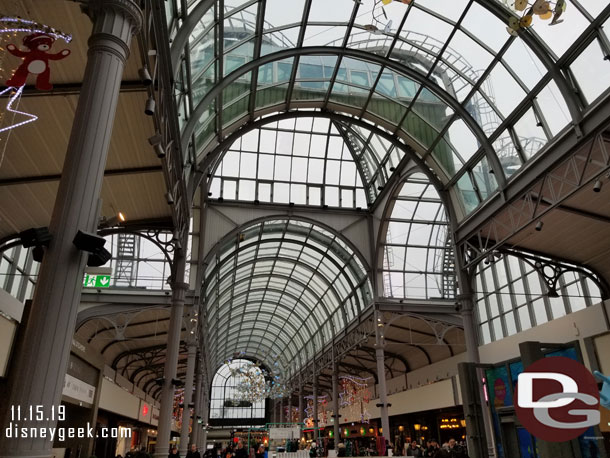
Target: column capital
127, 8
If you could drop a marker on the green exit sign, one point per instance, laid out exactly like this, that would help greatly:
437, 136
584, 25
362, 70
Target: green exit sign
96, 281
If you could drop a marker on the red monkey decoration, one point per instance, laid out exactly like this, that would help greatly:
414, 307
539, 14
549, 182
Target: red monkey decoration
35, 60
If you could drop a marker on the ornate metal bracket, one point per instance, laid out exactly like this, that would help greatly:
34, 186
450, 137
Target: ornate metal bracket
551, 270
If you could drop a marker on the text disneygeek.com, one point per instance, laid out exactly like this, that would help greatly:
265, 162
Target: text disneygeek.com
16, 431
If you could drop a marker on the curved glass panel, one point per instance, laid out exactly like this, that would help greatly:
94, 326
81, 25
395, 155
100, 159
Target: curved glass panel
280, 291
418, 259
413, 69
306, 161
225, 402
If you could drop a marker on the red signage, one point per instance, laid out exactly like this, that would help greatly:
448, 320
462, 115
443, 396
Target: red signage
144, 410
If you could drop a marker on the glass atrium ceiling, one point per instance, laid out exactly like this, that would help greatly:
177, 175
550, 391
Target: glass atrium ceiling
281, 290
474, 102
307, 161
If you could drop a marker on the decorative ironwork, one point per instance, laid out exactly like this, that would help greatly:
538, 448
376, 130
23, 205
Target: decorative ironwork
550, 271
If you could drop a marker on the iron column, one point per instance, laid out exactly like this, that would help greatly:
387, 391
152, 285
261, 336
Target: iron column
171, 361
40, 369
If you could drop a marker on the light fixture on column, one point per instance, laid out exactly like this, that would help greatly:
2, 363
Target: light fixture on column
37, 238
169, 197
145, 76
417, 426
156, 141
539, 225
597, 187
113, 221
94, 245
149, 108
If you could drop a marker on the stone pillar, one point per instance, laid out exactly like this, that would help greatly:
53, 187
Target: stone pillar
281, 410
38, 375
171, 360
188, 393
336, 416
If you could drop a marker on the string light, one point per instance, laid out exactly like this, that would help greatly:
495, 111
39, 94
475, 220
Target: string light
9, 107
16, 24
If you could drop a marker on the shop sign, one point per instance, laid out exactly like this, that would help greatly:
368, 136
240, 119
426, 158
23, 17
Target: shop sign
78, 389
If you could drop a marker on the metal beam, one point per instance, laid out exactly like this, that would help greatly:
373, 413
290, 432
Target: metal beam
594, 123
55, 177
63, 89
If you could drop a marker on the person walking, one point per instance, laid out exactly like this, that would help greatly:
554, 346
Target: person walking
193, 452
414, 450
240, 451
455, 450
173, 453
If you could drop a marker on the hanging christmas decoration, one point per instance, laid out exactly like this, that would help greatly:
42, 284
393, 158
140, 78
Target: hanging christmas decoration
9, 24
355, 396
9, 109
35, 60
254, 383
544, 9
322, 412
380, 23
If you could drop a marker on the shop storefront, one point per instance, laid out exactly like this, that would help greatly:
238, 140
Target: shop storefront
439, 424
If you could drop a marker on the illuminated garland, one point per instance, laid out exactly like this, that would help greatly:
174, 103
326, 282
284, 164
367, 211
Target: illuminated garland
322, 412
9, 108
9, 24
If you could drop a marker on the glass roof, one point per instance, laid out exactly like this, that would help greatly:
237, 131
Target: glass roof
306, 161
418, 259
444, 76
280, 290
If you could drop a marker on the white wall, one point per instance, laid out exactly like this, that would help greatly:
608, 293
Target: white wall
435, 395
575, 326
430, 387
115, 399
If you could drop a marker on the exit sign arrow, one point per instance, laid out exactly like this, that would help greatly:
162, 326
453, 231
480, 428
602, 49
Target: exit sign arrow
96, 281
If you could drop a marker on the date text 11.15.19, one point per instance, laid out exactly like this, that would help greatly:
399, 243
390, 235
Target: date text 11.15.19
38, 413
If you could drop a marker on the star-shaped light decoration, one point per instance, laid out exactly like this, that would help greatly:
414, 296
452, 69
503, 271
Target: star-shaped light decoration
9, 108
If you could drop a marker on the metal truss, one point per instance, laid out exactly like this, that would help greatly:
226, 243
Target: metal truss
153, 41
554, 186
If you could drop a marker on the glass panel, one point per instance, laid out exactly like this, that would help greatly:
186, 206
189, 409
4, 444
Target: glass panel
553, 107
592, 71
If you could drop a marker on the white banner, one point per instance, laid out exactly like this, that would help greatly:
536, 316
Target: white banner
285, 433
78, 389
